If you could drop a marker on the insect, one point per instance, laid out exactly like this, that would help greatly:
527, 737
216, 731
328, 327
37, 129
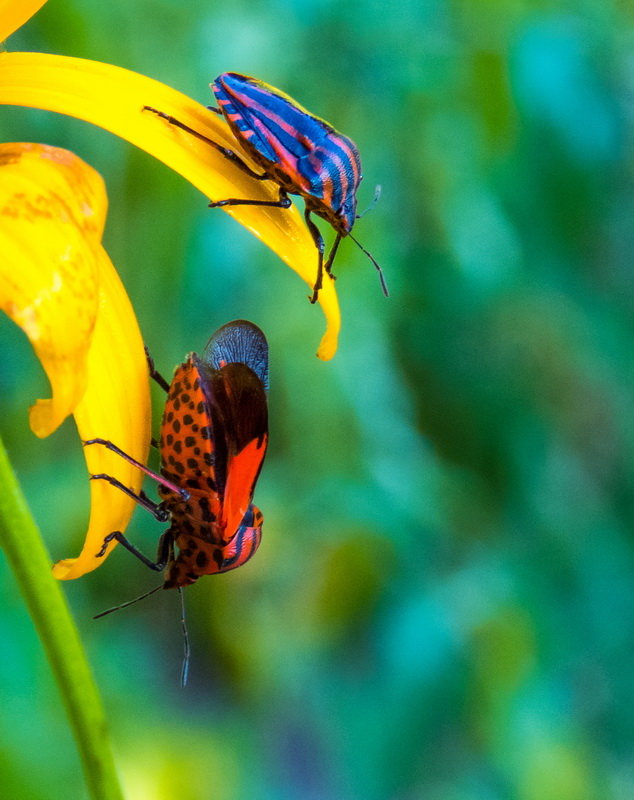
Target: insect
214, 436
300, 152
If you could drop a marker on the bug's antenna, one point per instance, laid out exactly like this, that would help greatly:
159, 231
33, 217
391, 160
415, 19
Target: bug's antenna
373, 202
129, 602
187, 651
376, 264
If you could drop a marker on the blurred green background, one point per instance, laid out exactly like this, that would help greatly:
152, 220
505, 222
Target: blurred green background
442, 606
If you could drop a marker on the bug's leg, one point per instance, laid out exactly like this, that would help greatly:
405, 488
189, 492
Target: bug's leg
154, 373
225, 151
158, 378
165, 553
154, 475
165, 549
319, 244
143, 496
331, 257
215, 110
283, 202
156, 509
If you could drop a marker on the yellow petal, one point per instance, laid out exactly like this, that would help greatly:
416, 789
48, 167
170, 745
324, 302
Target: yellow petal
14, 13
113, 98
58, 284
116, 407
53, 210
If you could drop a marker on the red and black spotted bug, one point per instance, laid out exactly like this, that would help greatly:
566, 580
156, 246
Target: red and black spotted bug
214, 436
300, 152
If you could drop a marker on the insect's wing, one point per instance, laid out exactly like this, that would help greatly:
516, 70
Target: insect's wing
236, 358
239, 342
240, 416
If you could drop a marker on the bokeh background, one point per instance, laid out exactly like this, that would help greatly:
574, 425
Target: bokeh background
442, 606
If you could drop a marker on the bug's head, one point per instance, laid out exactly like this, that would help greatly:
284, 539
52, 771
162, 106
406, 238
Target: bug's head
178, 573
345, 216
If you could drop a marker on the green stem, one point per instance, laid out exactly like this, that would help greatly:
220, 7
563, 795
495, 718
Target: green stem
21, 541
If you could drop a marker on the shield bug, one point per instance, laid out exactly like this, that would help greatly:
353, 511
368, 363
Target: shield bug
300, 152
213, 441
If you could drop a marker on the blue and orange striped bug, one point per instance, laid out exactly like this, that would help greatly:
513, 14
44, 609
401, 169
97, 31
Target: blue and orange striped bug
300, 152
214, 436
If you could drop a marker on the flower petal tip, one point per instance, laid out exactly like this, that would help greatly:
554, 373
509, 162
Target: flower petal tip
62, 569
45, 417
327, 347
70, 568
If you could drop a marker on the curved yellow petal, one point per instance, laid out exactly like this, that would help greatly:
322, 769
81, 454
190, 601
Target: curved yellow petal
116, 407
53, 208
58, 284
113, 98
14, 13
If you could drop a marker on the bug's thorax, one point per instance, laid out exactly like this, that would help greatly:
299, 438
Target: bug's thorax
195, 558
198, 516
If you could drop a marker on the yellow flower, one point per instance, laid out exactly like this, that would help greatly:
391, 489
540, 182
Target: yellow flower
56, 280
113, 98
58, 284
